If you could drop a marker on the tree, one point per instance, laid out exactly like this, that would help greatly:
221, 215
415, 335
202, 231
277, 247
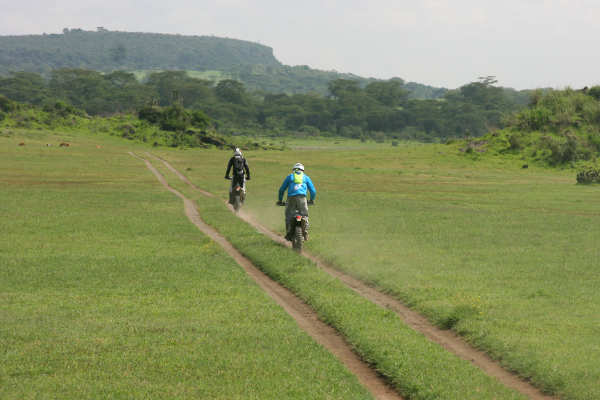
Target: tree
120, 79
387, 93
118, 52
339, 87
25, 87
230, 91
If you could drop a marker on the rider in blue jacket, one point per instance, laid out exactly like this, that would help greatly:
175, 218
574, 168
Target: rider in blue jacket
296, 184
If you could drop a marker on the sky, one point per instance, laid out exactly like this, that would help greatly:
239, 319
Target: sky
443, 43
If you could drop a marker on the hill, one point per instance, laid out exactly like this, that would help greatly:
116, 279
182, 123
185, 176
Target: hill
110, 50
250, 63
301, 79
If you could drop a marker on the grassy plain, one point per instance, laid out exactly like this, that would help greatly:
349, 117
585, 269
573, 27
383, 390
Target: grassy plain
418, 368
108, 291
208, 75
505, 256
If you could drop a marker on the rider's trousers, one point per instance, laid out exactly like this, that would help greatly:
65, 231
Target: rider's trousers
293, 203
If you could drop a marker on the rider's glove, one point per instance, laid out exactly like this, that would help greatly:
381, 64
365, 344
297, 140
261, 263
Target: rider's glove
248, 178
227, 177
311, 203
280, 203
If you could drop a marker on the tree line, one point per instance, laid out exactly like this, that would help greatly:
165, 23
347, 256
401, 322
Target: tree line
376, 110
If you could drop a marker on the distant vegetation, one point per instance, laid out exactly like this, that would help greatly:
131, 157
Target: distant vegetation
377, 110
171, 126
250, 63
302, 79
559, 127
110, 50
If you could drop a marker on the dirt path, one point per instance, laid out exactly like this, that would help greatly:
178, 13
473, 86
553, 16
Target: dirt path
304, 316
447, 339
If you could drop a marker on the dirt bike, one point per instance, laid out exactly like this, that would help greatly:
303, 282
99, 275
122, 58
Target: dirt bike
297, 228
236, 197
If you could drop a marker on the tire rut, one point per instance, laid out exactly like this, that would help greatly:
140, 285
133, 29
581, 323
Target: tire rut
304, 316
447, 339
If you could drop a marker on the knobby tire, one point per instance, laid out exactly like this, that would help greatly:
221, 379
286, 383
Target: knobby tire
236, 203
298, 239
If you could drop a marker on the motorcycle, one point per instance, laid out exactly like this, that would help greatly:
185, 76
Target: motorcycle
237, 196
297, 228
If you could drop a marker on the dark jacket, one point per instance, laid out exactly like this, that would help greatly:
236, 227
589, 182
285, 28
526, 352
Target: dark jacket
238, 173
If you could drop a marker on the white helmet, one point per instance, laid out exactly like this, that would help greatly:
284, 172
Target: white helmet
237, 152
298, 166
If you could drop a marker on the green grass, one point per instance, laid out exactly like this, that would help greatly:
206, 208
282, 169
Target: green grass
108, 291
331, 143
504, 256
418, 368
141, 74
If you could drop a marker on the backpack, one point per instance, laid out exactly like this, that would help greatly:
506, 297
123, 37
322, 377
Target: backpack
238, 165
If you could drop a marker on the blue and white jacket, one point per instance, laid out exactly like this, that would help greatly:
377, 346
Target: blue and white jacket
297, 188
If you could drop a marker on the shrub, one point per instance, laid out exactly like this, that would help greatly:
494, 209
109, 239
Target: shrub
594, 92
150, 113
515, 142
588, 176
379, 137
128, 131
309, 130
7, 105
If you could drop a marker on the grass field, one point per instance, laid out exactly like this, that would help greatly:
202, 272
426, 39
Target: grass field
108, 291
502, 255
416, 367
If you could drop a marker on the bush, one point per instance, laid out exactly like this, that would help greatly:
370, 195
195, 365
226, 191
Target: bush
588, 176
515, 142
309, 130
150, 113
379, 137
128, 131
594, 92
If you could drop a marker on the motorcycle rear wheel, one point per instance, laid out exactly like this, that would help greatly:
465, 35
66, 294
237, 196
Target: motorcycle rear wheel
236, 203
297, 240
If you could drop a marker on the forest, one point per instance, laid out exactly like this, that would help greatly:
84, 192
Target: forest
375, 110
110, 50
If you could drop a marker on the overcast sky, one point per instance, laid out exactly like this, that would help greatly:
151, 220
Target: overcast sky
444, 43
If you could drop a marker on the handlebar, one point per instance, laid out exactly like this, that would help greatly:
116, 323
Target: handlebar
229, 177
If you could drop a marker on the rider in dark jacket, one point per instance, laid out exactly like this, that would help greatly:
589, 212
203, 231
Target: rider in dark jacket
238, 164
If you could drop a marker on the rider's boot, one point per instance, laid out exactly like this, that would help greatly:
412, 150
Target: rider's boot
243, 197
288, 235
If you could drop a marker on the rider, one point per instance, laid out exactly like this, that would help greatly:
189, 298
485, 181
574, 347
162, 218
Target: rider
296, 184
238, 163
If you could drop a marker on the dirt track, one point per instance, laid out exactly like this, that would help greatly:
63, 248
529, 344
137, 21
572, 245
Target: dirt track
304, 316
447, 339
